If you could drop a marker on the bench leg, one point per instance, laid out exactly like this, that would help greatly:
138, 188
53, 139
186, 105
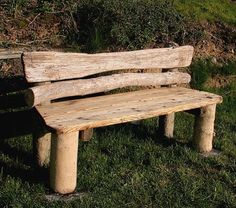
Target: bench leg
63, 162
204, 128
42, 146
85, 135
166, 125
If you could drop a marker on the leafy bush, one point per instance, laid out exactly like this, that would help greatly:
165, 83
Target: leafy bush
127, 24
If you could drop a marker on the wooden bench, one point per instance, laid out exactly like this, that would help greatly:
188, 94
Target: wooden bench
58, 75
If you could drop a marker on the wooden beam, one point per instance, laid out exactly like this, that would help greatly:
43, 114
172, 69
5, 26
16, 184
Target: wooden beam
10, 54
49, 66
39, 94
204, 129
63, 162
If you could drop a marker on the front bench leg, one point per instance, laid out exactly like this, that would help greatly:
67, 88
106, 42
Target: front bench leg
63, 162
204, 128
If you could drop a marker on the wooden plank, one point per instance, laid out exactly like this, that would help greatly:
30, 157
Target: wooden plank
49, 66
112, 112
73, 113
10, 54
101, 102
40, 94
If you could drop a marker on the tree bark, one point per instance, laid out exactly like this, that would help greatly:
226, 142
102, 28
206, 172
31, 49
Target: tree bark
63, 162
204, 129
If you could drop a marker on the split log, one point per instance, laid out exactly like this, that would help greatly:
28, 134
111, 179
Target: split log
42, 139
167, 122
63, 162
204, 129
52, 66
7, 54
39, 94
85, 135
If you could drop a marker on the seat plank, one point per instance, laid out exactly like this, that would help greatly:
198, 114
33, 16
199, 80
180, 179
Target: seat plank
68, 116
52, 66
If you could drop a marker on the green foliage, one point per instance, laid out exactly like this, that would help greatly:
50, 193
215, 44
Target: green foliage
128, 24
143, 23
200, 72
203, 69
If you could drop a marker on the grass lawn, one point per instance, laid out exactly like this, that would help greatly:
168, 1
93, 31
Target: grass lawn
126, 166
211, 10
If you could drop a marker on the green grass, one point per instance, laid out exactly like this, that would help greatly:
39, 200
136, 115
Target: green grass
126, 166
211, 10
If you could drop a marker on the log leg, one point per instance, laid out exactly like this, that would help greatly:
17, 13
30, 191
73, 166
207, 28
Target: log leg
42, 146
85, 135
166, 125
63, 162
204, 129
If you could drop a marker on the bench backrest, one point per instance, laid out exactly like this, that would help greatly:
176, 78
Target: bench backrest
63, 71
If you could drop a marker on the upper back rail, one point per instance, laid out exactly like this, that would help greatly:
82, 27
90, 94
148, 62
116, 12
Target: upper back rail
53, 66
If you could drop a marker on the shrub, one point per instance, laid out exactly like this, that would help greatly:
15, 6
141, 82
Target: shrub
131, 24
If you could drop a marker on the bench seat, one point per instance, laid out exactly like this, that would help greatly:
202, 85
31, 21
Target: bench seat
81, 114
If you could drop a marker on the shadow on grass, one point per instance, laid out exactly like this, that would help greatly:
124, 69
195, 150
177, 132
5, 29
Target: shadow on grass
17, 124
141, 133
15, 161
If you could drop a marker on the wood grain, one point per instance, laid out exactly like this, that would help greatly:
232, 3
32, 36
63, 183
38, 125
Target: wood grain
49, 66
204, 129
10, 54
74, 115
41, 94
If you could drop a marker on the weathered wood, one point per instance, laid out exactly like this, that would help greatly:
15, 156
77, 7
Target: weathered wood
42, 139
204, 129
167, 122
10, 54
85, 135
63, 162
166, 125
49, 66
37, 95
106, 110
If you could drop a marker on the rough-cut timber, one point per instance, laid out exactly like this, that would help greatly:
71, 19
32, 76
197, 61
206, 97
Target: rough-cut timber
167, 122
42, 139
63, 162
43, 146
10, 54
166, 125
40, 94
69, 116
86, 135
50, 66
204, 128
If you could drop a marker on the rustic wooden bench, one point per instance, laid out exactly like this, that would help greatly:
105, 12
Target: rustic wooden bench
58, 75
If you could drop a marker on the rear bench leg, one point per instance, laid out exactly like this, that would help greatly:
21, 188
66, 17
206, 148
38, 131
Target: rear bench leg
86, 135
204, 128
42, 146
166, 125
63, 162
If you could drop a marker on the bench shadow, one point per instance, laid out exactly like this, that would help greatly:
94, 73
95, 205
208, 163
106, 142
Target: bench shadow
141, 133
17, 124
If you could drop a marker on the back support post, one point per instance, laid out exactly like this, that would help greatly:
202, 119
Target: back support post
166, 122
42, 140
